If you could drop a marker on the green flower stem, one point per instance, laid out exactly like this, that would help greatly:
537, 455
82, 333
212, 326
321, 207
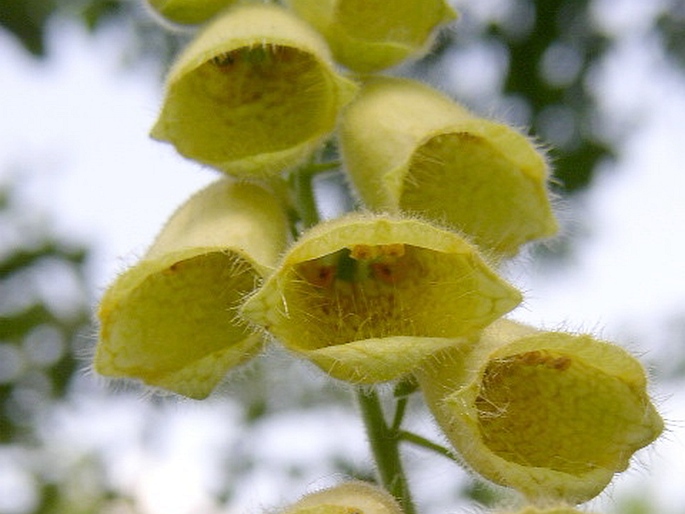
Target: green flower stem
384, 441
400, 409
306, 201
418, 440
303, 188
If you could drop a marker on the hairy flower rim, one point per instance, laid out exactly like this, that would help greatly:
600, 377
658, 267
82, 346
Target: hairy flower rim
553, 415
253, 94
371, 285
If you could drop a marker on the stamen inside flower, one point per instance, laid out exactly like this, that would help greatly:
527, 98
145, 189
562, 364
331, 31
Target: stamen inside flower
369, 291
546, 409
361, 252
360, 263
253, 100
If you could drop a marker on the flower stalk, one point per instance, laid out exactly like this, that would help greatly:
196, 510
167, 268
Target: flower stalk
384, 441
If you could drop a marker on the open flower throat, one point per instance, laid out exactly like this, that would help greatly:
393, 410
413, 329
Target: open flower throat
265, 91
175, 328
529, 413
370, 291
367, 297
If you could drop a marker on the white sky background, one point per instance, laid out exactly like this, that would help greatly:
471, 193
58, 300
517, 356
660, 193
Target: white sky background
74, 132
77, 128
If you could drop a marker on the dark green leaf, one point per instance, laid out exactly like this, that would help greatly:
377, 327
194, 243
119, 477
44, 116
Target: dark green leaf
27, 21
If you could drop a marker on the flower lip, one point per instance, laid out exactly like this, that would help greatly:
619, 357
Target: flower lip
593, 420
247, 89
486, 179
356, 289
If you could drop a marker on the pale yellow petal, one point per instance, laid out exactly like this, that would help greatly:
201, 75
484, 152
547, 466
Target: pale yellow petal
370, 36
409, 148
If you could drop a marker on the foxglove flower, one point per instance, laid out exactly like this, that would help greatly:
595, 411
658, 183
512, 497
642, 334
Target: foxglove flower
408, 147
367, 297
170, 320
255, 92
551, 414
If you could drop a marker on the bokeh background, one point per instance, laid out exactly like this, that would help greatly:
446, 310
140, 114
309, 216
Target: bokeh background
83, 191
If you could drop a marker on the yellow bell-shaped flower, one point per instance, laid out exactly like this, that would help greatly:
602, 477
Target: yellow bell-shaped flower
254, 93
347, 498
367, 297
408, 147
551, 414
189, 12
171, 320
370, 35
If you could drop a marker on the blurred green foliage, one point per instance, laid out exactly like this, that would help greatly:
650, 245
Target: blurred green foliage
44, 315
671, 27
549, 66
44, 327
27, 20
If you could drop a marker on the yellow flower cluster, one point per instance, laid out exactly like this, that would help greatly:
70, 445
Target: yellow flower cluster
407, 286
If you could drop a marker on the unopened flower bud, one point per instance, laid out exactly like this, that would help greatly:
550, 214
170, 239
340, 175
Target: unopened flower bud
254, 93
348, 498
170, 320
367, 297
408, 147
368, 36
550, 414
